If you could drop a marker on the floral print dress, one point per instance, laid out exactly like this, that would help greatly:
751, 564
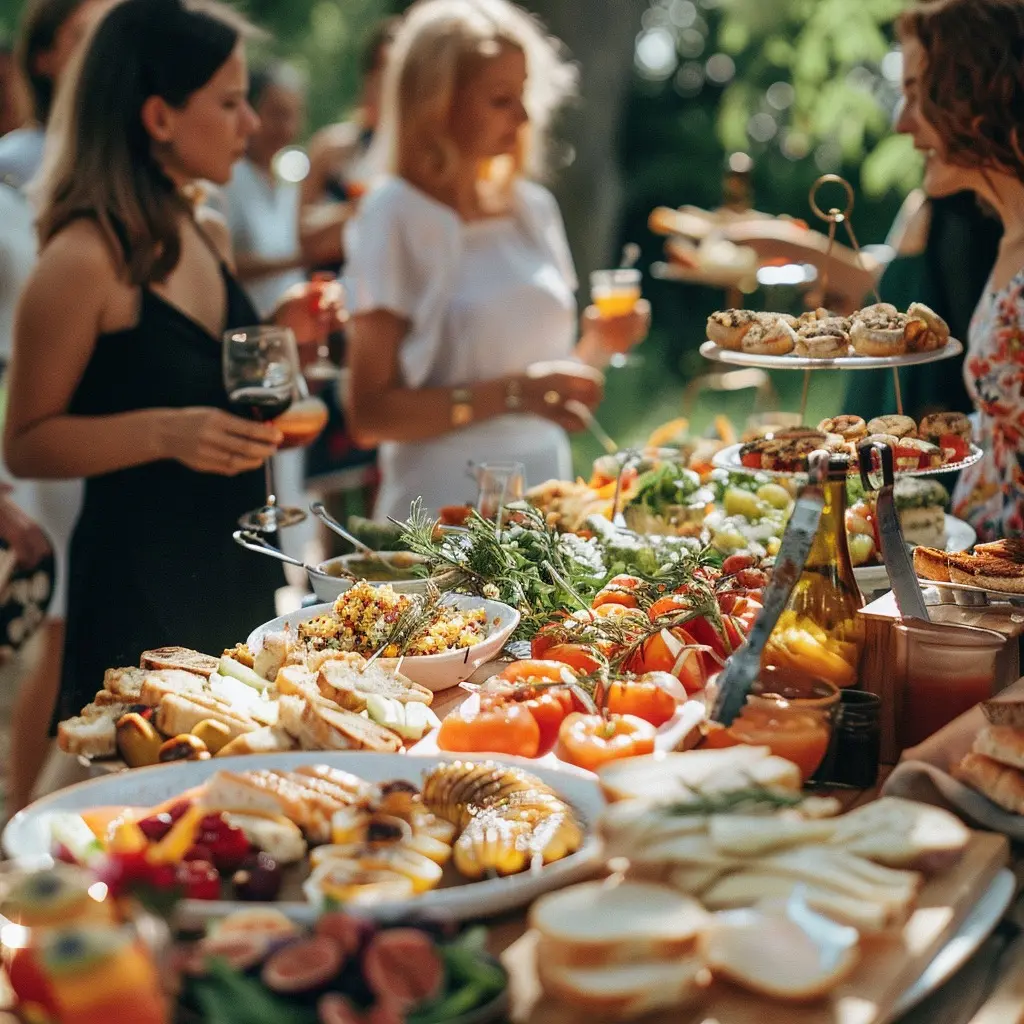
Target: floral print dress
990, 494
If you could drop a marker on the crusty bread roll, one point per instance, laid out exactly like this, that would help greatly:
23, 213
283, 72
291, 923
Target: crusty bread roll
1002, 743
931, 564
596, 924
1003, 786
267, 740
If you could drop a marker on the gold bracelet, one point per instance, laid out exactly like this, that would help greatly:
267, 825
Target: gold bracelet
462, 407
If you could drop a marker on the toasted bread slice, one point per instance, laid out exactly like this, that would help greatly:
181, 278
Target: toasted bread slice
180, 713
296, 681
349, 681
1007, 711
1002, 785
324, 726
1001, 743
94, 732
987, 571
267, 740
125, 683
158, 684
235, 791
931, 564
179, 657
597, 924
1009, 548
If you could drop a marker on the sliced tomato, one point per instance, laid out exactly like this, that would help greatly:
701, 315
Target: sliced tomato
534, 670
752, 460
736, 562
578, 657
589, 741
705, 632
499, 728
643, 698
618, 590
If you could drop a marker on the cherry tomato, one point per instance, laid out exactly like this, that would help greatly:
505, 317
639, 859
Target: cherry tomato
705, 632
618, 590
734, 563
670, 604
642, 698
751, 579
708, 573
666, 651
578, 657
589, 741
751, 460
498, 728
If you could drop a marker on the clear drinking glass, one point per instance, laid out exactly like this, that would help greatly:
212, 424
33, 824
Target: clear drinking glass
500, 483
616, 293
261, 365
322, 369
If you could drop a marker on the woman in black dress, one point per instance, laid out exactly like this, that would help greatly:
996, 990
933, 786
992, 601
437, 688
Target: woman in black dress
116, 374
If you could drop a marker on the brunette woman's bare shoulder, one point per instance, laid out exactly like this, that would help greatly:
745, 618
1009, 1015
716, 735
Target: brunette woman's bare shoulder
83, 247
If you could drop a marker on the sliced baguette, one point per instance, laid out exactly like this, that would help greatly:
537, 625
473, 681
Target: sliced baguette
596, 924
180, 713
1003, 786
1002, 743
92, 733
627, 990
267, 740
230, 791
348, 682
1004, 712
178, 657
296, 681
320, 725
125, 683
158, 684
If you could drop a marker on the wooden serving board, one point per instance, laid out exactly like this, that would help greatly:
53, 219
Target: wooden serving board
888, 966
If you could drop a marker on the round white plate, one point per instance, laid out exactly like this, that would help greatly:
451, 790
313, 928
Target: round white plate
960, 536
709, 350
976, 927
729, 458
28, 833
435, 671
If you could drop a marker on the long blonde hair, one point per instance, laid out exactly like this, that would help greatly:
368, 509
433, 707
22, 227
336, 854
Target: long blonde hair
438, 45
100, 161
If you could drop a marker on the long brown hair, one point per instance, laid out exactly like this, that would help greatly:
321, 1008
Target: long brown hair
100, 160
37, 33
972, 85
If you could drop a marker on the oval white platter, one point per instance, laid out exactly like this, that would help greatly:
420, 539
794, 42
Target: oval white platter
729, 458
715, 352
960, 536
435, 671
27, 835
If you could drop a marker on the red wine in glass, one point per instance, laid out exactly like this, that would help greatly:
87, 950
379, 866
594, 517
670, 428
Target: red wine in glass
260, 403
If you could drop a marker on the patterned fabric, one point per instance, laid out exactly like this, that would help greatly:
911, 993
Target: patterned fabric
990, 494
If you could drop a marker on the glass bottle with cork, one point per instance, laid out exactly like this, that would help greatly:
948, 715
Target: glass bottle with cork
820, 635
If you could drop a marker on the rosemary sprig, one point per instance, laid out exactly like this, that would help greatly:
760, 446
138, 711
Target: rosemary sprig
422, 612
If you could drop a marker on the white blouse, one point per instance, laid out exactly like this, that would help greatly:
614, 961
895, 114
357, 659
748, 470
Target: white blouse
484, 299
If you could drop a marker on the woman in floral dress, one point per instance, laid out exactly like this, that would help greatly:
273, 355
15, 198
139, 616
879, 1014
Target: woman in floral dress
963, 82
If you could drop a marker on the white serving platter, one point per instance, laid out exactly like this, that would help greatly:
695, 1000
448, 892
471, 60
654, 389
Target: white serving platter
713, 351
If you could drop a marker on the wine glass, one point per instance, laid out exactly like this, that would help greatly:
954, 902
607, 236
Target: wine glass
615, 293
261, 365
322, 369
500, 483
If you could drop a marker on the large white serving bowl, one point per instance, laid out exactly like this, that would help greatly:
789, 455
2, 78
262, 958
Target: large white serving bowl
435, 671
27, 835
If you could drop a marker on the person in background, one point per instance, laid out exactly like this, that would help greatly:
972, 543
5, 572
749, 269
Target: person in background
262, 209
337, 175
50, 34
964, 103
459, 279
13, 102
120, 381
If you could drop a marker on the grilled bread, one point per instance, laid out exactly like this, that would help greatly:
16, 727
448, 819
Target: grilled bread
158, 684
1003, 786
321, 725
180, 713
349, 681
179, 657
125, 683
94, 732
931, 564
987, 571
1001, 743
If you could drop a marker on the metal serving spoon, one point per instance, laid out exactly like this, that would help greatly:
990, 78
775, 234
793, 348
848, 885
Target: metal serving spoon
254, 542
325, 517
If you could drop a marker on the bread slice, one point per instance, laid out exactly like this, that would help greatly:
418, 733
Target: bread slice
296, 681
349, 681
1002, 743
1003, 786
179, 657
597, 924
93, 733
1010, 549
233, 791
626, 990
267, 740
678, 777
986, 571
158, 684
180, 713
125, 683
319, 725
1004, 712
931, 564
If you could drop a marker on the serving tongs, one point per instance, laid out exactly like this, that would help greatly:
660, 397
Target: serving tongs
895, 554
320, 511
743, 668
252, 541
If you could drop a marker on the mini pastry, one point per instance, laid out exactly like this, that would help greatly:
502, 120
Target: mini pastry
876, 309
851, 428
926, 331
877, 333
940, 424
898, 426
890, 440
810, 316
770, 336
787, 455
727, 327
913, 453
823, 339
986, 571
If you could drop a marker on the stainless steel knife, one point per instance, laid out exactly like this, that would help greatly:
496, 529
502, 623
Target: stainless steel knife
743, 668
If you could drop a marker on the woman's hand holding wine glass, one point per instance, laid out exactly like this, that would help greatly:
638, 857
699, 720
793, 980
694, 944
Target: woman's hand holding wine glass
213, 441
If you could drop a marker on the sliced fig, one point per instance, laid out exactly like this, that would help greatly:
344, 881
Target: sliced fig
334, 1008
241, 951
403, 967
303, 966
350, 932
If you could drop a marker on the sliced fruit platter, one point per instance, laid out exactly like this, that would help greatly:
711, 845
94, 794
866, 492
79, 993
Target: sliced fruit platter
385, 833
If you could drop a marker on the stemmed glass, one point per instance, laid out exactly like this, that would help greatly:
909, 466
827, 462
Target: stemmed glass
615, 293
320, 286
261, 365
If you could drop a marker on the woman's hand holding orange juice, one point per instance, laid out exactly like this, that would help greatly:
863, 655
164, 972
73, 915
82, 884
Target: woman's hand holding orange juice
618, 317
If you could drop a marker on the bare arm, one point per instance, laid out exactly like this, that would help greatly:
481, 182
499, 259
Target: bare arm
381, 408
250, 267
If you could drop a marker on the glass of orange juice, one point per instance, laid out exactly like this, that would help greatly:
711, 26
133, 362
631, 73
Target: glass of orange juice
615, 293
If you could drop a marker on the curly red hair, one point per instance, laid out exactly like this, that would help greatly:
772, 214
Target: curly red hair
972, 86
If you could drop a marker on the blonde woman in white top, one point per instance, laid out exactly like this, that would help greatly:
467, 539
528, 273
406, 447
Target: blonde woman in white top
459, 280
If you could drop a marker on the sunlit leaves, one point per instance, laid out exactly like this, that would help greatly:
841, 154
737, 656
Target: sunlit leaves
893, 164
